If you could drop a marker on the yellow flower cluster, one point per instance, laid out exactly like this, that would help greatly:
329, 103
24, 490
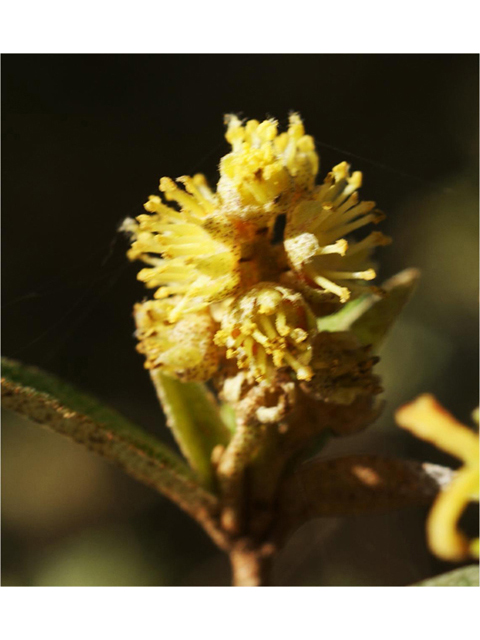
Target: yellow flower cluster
315, 233
219, 271
428, 420
269, 327
193, 253
265, 171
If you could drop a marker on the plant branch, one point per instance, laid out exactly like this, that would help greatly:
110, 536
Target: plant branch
251, 567
231, 471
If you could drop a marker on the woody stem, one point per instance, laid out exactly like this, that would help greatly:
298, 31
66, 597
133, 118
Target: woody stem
231, 470
251, 566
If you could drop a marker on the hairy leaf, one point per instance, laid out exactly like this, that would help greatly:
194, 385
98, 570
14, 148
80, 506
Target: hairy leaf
46, 400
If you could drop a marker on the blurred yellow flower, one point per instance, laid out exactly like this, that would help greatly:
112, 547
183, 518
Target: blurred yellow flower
428, 420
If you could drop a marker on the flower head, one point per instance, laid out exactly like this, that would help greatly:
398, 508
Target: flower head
267, 328
211, 256
428, 420
318, 252
265, 171
193, 253
183, 350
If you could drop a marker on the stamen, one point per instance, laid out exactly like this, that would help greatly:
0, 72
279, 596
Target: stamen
342, 292
357, 210
281, 323
303, 372
200, 182
260, 337
375, 239
172, 192
369, 274
262, 360
267, 326
340, 247
349, 202
348, 228
192, 188
248, 345
186, 249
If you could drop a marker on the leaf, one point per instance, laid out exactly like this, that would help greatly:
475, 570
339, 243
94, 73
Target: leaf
194, 418
343, 319
463, 577
371, 316
375, 322
227, 413
354, 485
48, 401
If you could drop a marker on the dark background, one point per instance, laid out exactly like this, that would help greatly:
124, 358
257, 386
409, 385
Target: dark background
85, 140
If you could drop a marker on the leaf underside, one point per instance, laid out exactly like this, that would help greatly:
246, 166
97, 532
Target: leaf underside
357, 484
463, 577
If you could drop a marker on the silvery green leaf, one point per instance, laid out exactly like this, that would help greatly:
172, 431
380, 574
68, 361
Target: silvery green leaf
464, 577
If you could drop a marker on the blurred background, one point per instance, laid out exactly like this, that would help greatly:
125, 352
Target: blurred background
85, 140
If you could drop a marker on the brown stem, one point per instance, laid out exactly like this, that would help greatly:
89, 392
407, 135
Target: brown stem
231, 470
251, 566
